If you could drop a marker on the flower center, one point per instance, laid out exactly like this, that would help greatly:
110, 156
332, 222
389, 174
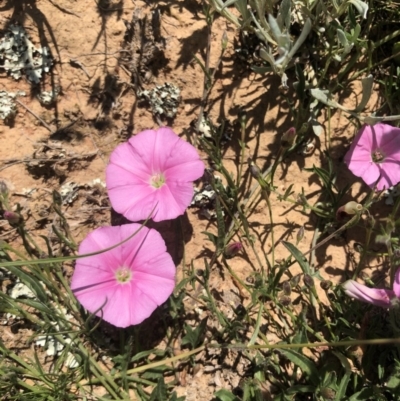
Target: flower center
157, 180
378, 156
123, 275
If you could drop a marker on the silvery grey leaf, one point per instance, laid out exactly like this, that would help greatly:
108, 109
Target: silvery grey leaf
372, 120
265, 55
342, 38
276, 31
323, 97
317, 128
361, 7
306, 30
283, 18
367, 84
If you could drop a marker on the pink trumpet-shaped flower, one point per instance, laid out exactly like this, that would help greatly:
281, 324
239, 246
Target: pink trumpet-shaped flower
153, 170
376, 296
374, 155
125, 284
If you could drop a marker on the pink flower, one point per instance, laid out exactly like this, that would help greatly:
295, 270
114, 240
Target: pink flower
376, 296
374, 155
233, 249
126, 284
154, 169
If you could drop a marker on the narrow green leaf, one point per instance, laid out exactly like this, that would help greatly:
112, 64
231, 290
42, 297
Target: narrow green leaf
305, 267
301, 84
144, 354
306, 365
341, 390
156, 373
30, 281
160, 392
211, 237
225, 395
343, 360
300, 388
194, 337
366, 394
221, 226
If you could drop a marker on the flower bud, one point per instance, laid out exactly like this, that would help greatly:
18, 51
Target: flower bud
3, 188
232, 249
287, 288
254, 170
308, 281
224, 41
285, 301
288, 138
302, 200
327, 393
295, 280
326, 284
12, 217
300, 234
350, 208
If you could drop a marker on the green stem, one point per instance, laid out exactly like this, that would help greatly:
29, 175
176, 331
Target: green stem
364, 252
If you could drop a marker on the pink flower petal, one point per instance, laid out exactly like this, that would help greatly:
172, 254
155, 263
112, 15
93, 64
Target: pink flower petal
379, 297
118, 175
387, 137
135, 203
396, 284
100, 239
153, 146
152, 281
185, 172
382, 137
360, 149
174, 198
126, 157
148, 154
390, 175
371, 174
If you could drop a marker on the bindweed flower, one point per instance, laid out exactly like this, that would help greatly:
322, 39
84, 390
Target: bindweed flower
287, 139
153, 170
349, 209
13, 218
374, 155
125, 284
232, 249
376, 296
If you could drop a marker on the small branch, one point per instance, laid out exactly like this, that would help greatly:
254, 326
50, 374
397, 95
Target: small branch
35, 115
